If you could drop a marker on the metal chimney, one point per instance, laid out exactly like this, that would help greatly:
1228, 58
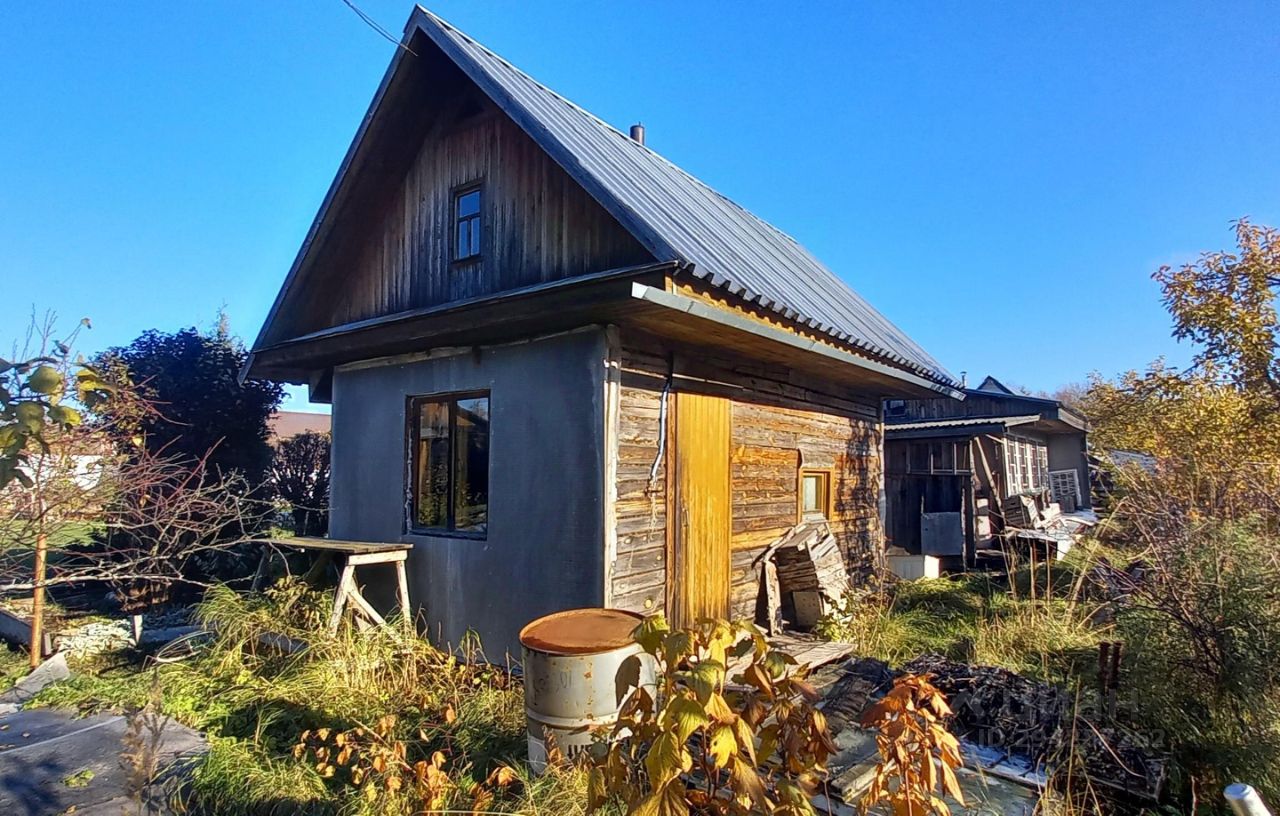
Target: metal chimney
637, 133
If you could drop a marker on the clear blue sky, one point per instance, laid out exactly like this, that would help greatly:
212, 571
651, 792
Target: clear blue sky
999, 179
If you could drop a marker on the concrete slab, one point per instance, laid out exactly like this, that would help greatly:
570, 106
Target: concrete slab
51, 761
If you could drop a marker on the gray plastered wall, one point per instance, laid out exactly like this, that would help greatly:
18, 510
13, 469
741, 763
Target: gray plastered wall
1067, 452
543, 551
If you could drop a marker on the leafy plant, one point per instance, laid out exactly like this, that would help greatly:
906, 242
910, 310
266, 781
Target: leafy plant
695, 743
41, 395
300, 476
918, 755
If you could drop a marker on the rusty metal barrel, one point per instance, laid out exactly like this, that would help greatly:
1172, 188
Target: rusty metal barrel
579, 667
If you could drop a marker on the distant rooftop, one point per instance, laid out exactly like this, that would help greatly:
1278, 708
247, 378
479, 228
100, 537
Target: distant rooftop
288, 424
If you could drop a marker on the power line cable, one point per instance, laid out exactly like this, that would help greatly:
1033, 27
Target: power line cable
372, 23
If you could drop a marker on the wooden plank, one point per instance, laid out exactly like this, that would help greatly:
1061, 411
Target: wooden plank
345, 585
699, 585
17, 630
338, 545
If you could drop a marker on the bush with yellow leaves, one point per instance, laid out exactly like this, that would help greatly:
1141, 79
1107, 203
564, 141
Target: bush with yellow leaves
918, 755
702, 742
375, 761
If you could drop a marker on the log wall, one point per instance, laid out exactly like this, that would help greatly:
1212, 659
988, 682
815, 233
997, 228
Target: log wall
778, 428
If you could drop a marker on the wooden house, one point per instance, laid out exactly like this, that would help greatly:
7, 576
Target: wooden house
960, 473
563, 369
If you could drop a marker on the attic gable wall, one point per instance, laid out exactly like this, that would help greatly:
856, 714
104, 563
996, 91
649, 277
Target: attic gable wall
390, 250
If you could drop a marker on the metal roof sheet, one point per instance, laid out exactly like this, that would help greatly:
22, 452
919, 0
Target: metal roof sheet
959, 423
679, 217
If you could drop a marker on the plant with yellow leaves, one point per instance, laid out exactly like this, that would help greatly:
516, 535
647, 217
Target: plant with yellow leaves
702, 742
918, 755
375, 761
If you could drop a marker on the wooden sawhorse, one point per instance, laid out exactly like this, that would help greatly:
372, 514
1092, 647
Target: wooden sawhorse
354, 554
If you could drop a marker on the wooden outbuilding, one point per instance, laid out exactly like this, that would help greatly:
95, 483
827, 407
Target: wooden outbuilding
566, 371
961, 474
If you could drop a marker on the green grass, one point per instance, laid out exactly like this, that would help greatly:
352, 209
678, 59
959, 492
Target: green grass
1026, 621
256, 704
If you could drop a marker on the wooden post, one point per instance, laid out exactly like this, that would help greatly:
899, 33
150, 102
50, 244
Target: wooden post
37, 595
345, 584
402, 593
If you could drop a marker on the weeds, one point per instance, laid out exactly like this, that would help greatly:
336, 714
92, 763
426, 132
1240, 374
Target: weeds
976, 619
257, 700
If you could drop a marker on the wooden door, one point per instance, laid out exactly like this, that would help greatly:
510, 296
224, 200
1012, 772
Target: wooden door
698, 581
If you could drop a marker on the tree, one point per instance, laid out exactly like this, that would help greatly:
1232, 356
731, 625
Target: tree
41, 396
300, 476
1226, 303
202, 408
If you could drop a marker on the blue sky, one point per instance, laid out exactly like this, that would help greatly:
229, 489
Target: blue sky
999, 179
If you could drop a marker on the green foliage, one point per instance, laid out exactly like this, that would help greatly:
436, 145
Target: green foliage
1031, 622
259, 701
39, 396
193, 380
1226, 303
1203, 632
300, 476
758, 746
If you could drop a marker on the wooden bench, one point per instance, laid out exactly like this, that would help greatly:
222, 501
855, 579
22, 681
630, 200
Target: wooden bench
354, 554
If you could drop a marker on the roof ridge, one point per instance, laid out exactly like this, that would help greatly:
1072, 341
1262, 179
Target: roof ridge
721, 240
612, 130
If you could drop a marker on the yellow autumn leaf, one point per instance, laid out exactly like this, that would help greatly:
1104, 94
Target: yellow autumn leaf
721, 746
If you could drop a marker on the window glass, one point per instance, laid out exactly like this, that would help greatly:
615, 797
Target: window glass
919, 457
813, 494
469, 203
433, 465
471, 465
466, 221
451, 464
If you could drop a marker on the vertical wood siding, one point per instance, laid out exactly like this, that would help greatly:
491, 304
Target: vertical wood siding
538, 225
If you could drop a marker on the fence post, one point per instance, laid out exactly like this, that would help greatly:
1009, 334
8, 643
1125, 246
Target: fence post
1244, 800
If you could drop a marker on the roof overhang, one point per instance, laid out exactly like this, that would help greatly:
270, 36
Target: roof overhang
697, 322
631, 297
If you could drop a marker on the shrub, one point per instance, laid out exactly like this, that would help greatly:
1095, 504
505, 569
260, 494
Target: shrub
918, 755
692, 723
1203, 629
300, 476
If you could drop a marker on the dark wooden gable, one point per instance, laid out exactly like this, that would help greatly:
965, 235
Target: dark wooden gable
388, 247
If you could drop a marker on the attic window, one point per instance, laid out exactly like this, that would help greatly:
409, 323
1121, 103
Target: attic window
895, 408
466, 223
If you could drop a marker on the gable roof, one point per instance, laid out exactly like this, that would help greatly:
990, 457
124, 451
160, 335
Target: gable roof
674, 215
994, 386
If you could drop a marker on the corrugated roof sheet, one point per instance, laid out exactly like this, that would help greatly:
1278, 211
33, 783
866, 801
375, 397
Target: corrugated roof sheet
684, 219
958, 423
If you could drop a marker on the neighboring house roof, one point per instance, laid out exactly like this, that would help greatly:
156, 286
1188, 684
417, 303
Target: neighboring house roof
1126, 458
675, 216
993, 386
965, 426
287, 424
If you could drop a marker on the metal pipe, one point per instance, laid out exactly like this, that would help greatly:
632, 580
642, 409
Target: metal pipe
1244, 800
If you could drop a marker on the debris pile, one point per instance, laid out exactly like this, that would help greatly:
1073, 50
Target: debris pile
1000, 709
996, 707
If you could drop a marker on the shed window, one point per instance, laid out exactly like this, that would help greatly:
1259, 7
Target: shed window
466, 223
450, 464
1027, 464
815, 494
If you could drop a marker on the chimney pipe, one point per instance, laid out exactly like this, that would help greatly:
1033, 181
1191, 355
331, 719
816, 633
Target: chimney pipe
637, 133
